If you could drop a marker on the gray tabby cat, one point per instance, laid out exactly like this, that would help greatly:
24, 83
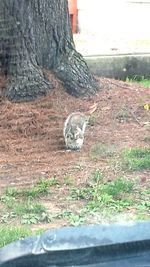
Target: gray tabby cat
74, 129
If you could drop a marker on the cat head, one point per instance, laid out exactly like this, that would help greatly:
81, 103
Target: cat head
75, 133
74, 138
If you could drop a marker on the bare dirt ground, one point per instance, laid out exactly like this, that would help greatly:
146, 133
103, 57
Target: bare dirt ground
31, 134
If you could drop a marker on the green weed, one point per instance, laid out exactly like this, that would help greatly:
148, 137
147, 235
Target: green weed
96, 176
135, 159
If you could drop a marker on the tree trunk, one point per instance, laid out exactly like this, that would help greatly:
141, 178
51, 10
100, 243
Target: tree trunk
36, 34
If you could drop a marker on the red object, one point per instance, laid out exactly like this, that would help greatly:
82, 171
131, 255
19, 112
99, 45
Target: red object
73, 12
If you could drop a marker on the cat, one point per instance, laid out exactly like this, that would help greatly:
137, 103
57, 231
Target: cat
74, 128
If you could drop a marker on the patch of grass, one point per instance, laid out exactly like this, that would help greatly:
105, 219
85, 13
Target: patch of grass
114, 194
145, 83
141, 216
20, 203
28, 207
9, 234
109, 198
39, 189
140, 80
67, 180
11, 192
118, 186
26, 211
101, 150
135, 159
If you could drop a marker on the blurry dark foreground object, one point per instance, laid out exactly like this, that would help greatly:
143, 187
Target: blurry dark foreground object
114, 245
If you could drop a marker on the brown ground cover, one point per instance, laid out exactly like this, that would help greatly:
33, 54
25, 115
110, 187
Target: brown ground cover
31, 134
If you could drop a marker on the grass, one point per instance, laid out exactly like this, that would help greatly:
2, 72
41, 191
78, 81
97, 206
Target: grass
22, 204
73, 218
145, 83
140, 80
135, 159
67, 180
26, 211
99, 198
118, 195
9, 234
101, 150
40, 189
28, 208
102, 195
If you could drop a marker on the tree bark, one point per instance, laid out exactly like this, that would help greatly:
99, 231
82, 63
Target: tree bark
36, 34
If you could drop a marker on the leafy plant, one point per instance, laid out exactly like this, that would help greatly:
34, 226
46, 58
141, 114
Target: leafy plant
7, 216
29, 219
32, 218
7, 200
74, 218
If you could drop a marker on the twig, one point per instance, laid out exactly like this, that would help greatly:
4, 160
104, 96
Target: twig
133, 115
